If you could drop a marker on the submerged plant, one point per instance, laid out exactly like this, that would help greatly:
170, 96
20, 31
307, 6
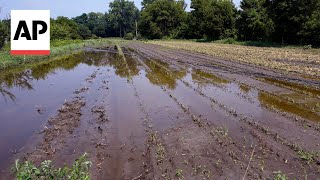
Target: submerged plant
46, 170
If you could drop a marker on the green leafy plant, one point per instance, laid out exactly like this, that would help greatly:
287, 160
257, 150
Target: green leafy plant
46, 170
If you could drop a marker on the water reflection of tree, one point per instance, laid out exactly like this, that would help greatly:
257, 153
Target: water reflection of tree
18, 79
160, 76
199, 81
95, 58
41, 71
67, 63
21, 76
203, 77
15, 79
120, 65
133, 66
6, 93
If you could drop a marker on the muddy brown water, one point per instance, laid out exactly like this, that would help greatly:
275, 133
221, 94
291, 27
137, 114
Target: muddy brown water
31, 95
148, 116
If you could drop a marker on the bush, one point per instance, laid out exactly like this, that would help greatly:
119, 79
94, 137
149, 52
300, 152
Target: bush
229, 41
129, 36
46, 170
94, 36
3, 35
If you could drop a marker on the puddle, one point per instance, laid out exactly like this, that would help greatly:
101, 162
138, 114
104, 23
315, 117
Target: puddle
131, 89
244, 88
274, 102
209, 76
295, 86
245, 101
38, 90
161, 77
31, 94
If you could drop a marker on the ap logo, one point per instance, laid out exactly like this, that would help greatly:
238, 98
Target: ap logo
30, 32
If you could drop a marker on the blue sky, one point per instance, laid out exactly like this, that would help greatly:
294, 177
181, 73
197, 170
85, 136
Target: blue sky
69, 8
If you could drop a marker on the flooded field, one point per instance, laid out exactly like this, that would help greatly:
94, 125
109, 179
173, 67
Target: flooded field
157, 113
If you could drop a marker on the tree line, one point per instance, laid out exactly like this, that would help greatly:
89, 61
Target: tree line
281, 21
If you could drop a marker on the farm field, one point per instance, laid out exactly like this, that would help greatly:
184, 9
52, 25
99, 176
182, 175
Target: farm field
167, 110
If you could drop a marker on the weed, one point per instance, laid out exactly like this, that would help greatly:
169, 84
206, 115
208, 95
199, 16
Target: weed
160, 152
220, 130
218, 162
261, 165
307, 156
206, 173
179, 173
46, 170
153, 137
196, 170
279, 176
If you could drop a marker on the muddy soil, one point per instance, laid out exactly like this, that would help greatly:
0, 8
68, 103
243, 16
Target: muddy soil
158, 113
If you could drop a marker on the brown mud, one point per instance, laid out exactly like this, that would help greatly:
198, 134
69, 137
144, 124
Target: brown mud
157, 113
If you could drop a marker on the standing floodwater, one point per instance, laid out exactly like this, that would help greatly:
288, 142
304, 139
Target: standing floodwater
31, 94
152, 113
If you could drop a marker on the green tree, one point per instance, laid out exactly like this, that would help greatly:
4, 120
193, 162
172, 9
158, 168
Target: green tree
83, 19
64, 28
311, 28
100, 30
4, 31
3, 34
84, 31
111, 26
254, 22
289, 17
123, 15
162, 18
146, 2
214, 19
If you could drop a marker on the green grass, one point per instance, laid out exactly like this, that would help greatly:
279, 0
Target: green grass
250, 43
307, 156
46, 170
58, 48
256, 43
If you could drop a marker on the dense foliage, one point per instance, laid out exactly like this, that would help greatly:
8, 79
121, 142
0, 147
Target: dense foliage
46, 170
281, 21
123, 15
294, 20
254, 22
214, 19
4, 32
64, 28
161, 18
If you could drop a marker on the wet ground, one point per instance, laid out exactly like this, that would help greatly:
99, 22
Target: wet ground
158, 113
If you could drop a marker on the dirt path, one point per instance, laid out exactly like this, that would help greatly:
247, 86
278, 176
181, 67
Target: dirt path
158, 113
